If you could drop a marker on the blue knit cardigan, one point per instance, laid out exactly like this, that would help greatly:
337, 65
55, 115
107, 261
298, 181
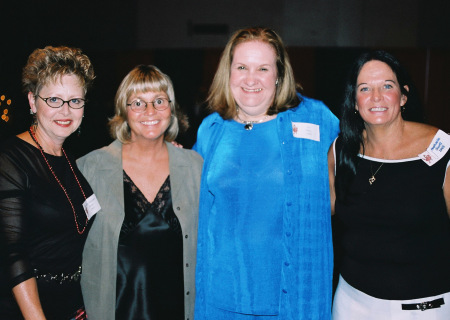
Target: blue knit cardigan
307, 266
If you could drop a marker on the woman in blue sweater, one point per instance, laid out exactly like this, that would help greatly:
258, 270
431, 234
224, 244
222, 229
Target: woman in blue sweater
264, 240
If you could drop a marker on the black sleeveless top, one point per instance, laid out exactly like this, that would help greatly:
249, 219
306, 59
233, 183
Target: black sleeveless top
150, 257
396, 232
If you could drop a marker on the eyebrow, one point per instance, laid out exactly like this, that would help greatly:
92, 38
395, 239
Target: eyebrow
156, 97
362, 83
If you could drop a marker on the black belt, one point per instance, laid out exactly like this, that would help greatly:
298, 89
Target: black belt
424, 305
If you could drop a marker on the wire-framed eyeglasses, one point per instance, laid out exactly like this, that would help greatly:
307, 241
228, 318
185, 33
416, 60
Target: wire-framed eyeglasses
159, 104
56, 102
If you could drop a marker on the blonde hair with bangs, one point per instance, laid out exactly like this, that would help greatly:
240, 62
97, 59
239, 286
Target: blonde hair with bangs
144, 78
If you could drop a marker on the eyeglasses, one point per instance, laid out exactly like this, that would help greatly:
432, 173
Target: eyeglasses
55, 102
159, 104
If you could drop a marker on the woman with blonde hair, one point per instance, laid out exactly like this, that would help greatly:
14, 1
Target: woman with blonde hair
139, 259
264, 242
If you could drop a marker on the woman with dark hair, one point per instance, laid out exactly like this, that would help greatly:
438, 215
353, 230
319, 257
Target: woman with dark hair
264, 248
390, 191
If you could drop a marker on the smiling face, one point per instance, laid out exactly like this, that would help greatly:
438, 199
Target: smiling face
378, 95
56, 124
253, 76
150, 124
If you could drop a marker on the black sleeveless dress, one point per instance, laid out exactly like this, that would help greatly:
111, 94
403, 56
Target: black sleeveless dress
150, 257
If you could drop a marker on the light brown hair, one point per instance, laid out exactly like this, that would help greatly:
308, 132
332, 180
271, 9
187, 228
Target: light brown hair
220, 98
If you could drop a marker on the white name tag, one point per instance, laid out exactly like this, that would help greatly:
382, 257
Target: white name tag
91, 206
437, 149
305, 130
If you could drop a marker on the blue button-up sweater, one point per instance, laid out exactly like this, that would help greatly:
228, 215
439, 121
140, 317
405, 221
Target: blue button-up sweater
307, 255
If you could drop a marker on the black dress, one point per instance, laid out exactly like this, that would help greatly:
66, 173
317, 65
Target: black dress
150, 257
38, 235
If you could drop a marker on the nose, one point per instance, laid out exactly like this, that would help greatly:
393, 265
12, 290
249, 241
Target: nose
376, 94
65, 109
250, 79
150, 109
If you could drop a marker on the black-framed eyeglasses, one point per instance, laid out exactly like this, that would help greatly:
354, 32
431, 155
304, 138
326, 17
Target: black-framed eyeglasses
159, 104
56, 102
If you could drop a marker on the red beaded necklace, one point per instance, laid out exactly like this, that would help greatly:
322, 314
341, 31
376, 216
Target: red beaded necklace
33, 136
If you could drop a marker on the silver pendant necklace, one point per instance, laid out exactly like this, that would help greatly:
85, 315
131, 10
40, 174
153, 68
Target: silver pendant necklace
372, 178
248, 125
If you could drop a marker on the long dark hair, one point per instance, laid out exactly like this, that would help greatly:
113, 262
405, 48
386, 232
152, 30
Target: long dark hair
352, 125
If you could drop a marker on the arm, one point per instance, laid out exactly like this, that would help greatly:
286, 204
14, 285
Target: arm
447, 190
331, 176
13, 186
27, 297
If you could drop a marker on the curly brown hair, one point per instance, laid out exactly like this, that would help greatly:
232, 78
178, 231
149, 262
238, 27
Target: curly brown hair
49, 64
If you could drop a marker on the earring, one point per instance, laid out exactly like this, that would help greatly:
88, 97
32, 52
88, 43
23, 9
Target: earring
31, 111
34, 123
402, 109
276, 82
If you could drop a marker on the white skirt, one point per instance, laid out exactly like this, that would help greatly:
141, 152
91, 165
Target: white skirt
352, 304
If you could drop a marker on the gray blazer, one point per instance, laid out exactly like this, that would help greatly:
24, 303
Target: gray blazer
103, 170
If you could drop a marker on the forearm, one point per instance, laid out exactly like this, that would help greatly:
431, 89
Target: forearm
27, 297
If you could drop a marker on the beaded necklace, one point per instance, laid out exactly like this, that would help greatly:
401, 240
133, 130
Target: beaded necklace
33, 136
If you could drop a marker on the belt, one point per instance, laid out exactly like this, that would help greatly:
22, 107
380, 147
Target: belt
424, 305
61, 277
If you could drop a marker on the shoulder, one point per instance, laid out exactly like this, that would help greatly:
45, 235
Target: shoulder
427, 141
314, 112
16, 161
111, 150
420, 135
6, 147
208, 129
184, 156
15, 151
313, 104
314, 109
101, 155
9, 144
211, 120
420, 130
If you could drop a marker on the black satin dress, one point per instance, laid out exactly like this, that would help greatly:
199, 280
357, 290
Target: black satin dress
150, 257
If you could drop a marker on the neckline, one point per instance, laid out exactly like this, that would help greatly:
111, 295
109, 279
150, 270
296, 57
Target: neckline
388, 160
37, 149
398, 160
255, 125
